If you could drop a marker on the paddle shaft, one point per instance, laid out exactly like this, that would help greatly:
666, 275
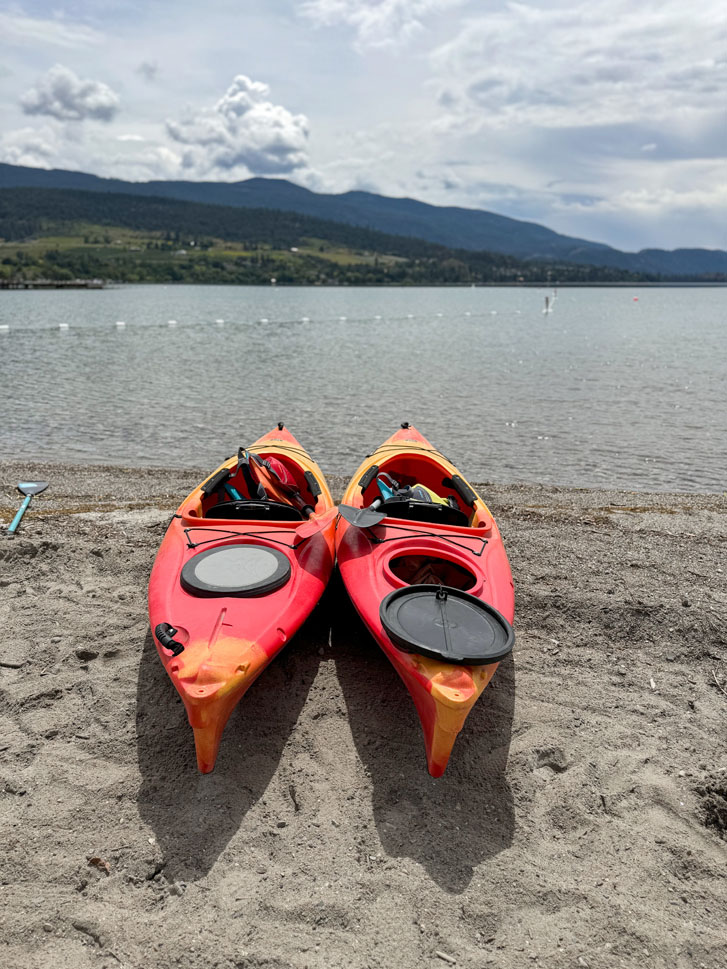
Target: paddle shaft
21, 511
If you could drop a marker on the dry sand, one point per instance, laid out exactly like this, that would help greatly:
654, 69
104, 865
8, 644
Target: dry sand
581, 821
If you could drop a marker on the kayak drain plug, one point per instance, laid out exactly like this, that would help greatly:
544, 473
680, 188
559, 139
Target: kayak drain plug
165, 634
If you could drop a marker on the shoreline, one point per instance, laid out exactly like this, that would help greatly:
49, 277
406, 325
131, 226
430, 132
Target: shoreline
91, 284
582, 819
102, 474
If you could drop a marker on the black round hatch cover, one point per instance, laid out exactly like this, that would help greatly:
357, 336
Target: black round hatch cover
235, 570
446, 624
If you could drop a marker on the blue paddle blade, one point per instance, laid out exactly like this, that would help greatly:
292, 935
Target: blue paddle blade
32, 487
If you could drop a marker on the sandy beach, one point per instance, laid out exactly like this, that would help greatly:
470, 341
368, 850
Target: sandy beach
581, 822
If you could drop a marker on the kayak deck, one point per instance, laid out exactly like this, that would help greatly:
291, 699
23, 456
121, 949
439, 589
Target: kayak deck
225, 636
397, 552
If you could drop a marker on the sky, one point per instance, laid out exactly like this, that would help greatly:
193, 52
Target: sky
603, 119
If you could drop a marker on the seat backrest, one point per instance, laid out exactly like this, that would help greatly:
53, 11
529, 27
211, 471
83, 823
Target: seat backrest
424, 511
258, 510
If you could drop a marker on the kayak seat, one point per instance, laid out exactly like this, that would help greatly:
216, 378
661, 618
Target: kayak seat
254, 510
423, 511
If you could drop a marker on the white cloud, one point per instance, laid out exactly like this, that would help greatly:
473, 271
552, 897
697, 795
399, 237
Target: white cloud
245, 130
378, 23
30, 31
596, 62
63, 95
67, 147
36, 148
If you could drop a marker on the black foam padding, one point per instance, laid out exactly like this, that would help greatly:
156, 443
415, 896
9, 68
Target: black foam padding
244, 510
424, 511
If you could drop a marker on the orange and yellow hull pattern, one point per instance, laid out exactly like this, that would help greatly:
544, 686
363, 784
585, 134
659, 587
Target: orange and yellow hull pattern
229, 641
443, 693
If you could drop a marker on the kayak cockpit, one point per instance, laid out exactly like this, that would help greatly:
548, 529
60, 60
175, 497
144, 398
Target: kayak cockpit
257, 487
416, 487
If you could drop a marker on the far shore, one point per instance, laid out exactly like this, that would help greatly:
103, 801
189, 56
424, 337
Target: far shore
95, 284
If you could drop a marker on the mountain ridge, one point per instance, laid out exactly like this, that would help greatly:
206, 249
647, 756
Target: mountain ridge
451, 226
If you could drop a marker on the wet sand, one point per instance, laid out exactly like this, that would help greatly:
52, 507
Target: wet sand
581, 822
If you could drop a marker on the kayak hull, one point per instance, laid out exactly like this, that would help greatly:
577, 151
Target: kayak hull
227, 640
374, 561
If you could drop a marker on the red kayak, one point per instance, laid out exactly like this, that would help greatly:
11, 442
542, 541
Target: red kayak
245, 559
424, 564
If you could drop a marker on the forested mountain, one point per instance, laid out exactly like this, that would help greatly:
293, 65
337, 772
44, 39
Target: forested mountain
453, 227
65, 233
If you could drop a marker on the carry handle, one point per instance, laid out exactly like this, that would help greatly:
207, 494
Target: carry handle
165, 634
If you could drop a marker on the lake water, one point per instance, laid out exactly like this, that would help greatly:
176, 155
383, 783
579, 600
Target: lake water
615, 387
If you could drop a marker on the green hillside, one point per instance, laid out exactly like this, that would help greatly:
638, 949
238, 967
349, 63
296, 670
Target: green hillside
65, 234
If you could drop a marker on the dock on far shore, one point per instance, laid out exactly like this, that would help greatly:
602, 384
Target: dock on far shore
52, 284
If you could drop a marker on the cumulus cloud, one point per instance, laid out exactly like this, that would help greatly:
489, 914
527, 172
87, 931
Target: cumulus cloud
378, 23
63, 95
36, 148
244, 129
596, 62
58, 146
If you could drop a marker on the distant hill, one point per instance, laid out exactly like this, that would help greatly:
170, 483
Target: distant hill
67, 233
457, 228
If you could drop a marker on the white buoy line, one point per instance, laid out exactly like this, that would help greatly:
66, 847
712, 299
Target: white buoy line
219, 321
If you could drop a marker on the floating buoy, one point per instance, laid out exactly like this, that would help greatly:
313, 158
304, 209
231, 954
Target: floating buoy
636, 299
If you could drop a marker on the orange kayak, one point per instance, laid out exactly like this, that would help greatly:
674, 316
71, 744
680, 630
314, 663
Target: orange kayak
244, 561
424, 564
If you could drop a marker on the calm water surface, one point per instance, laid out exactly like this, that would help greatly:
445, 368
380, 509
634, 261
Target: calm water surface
614, 387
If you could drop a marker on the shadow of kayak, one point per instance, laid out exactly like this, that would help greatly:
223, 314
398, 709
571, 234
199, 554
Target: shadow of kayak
194, 816
449, 825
